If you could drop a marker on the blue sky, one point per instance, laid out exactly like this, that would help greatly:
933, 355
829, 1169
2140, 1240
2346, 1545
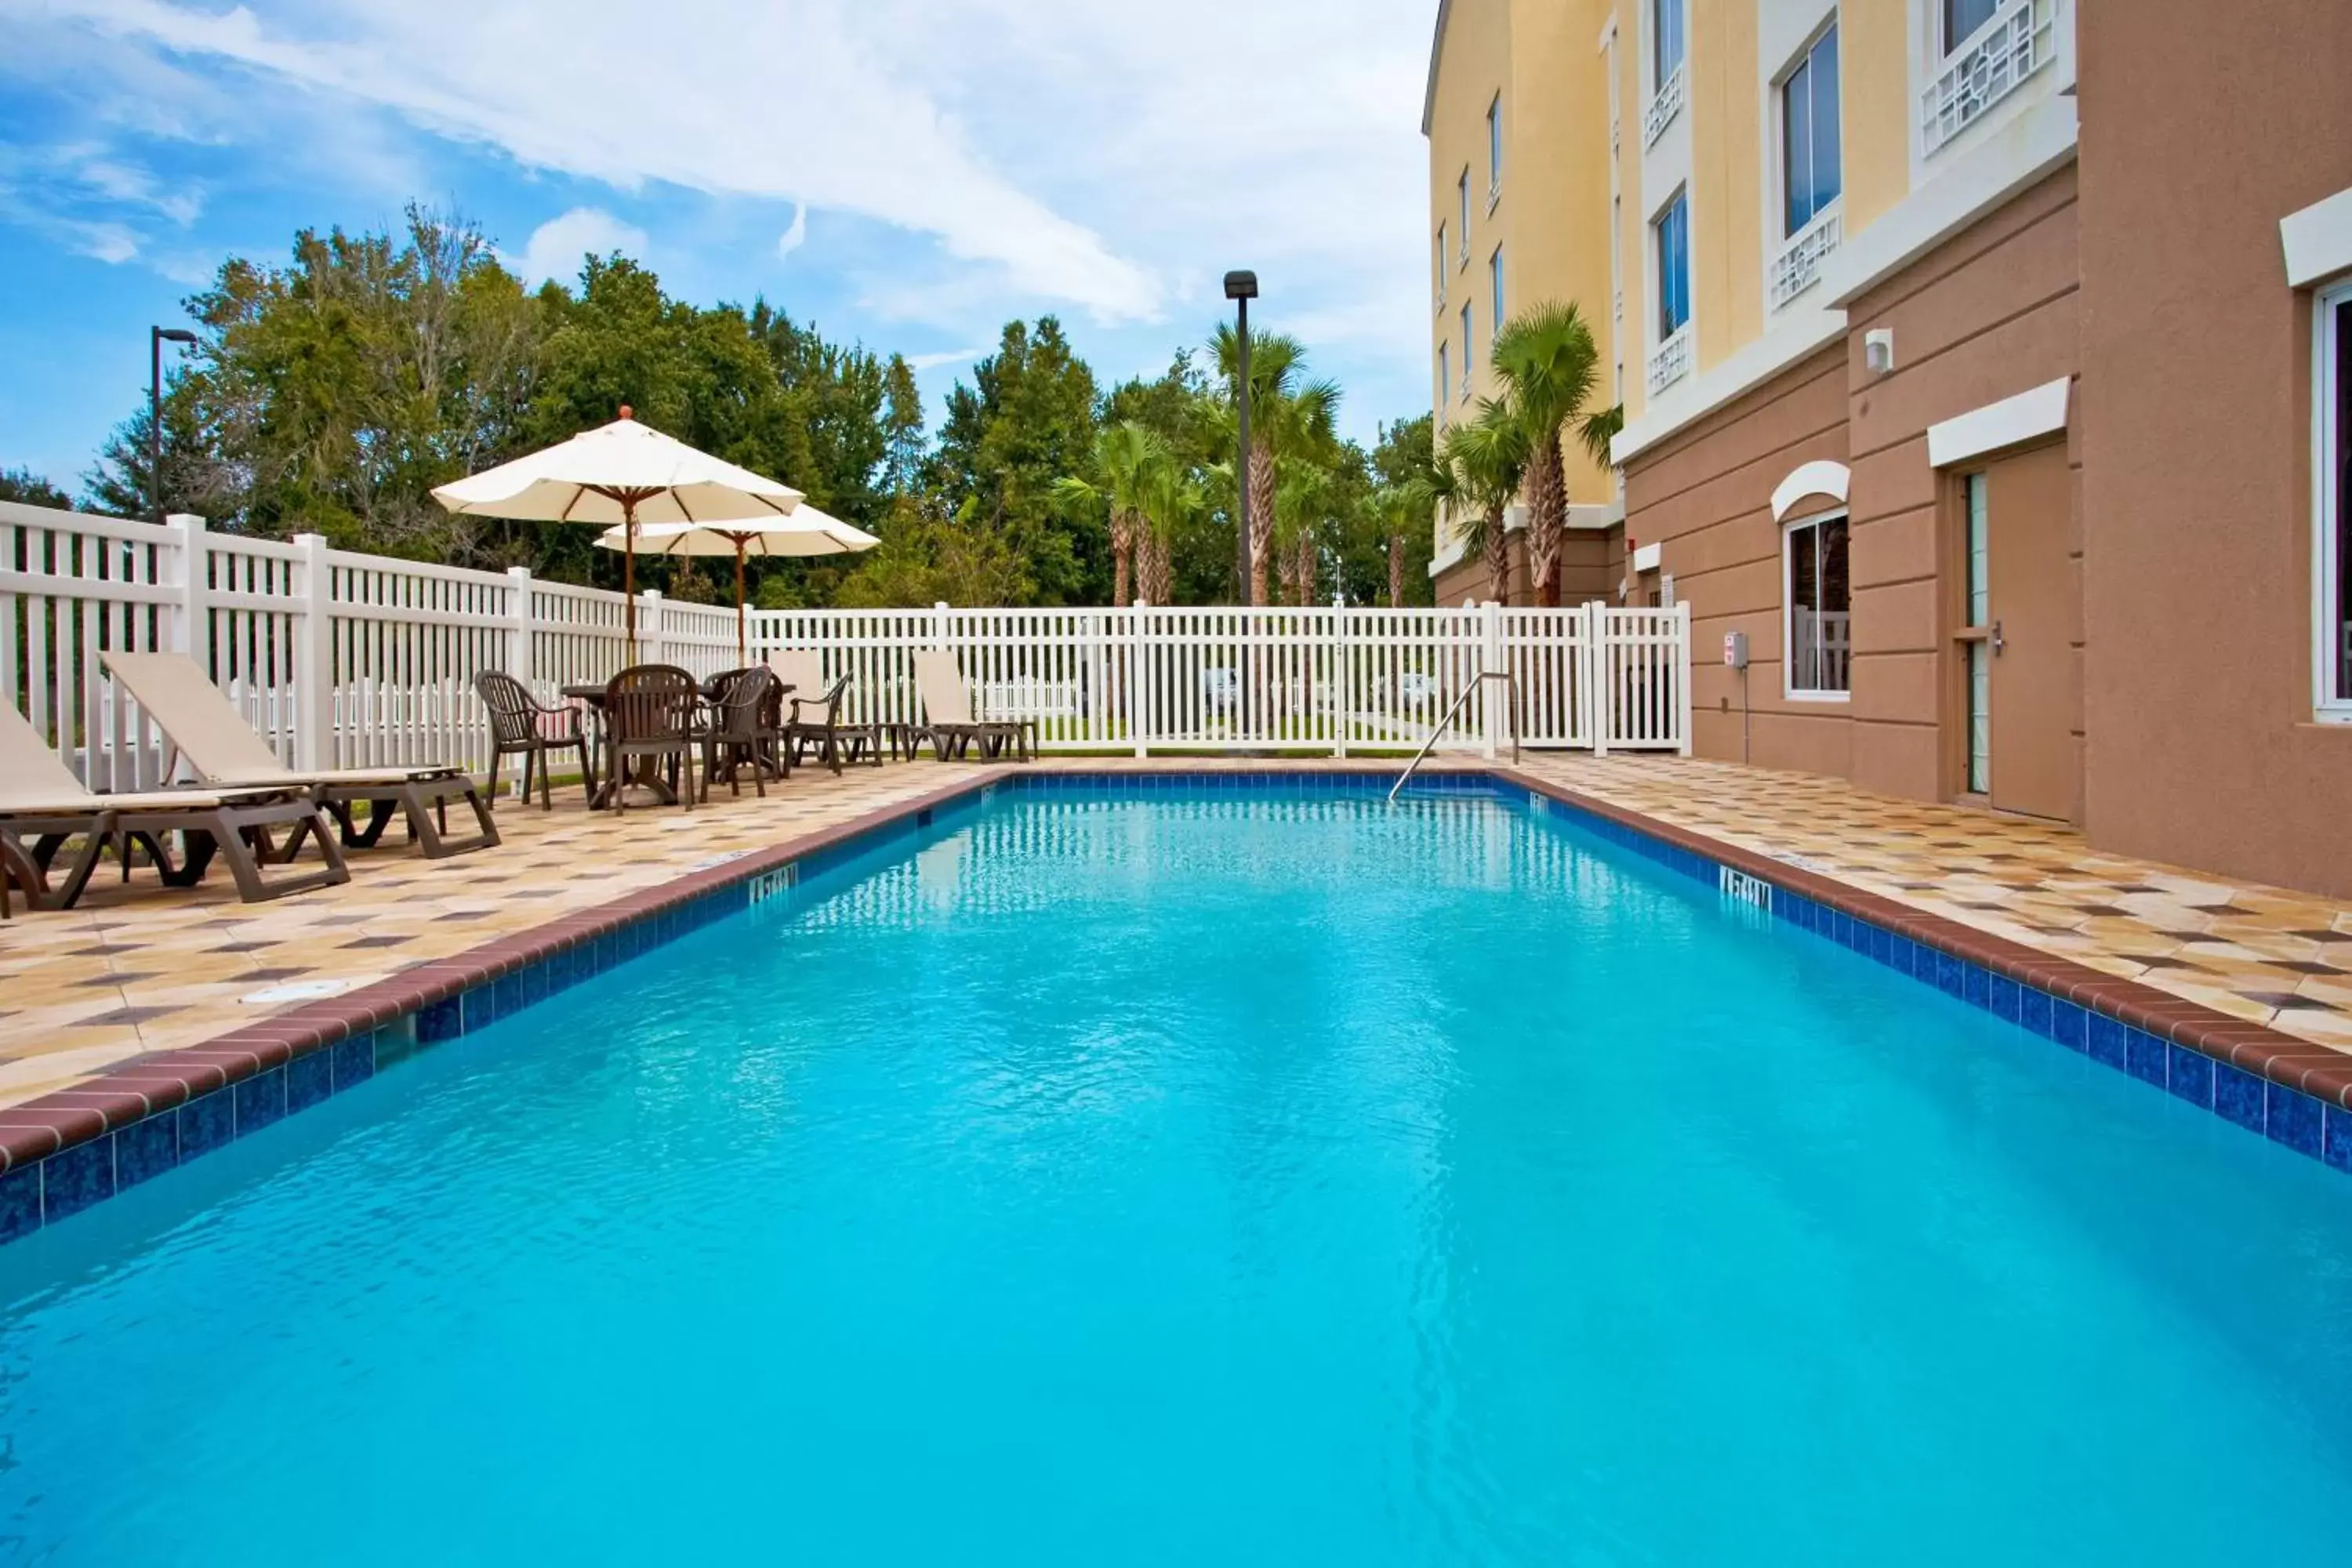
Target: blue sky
907, 173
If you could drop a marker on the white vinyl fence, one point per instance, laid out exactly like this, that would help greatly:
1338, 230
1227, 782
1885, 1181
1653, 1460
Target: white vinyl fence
349, 660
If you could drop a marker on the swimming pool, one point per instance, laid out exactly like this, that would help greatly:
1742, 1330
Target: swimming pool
1198, 1177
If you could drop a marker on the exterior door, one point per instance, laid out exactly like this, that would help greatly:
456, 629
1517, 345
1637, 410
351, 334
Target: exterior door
2022, 687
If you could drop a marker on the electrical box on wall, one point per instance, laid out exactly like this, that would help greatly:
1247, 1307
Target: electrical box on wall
1735, 650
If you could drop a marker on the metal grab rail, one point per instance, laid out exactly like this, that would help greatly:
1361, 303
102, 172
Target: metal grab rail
1509, 679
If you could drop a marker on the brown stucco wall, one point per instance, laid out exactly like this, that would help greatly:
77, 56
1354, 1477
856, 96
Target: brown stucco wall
2197, 139
1705, 496
1990, 313
1467, 579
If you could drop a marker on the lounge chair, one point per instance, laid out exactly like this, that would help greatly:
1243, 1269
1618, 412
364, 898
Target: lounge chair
816, 720
518, 727
42, 801
948, 720
225, 753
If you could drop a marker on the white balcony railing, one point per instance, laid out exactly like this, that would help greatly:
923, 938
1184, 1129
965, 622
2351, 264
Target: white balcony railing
1671, 360
1664, 105
1996, 61
1800, 261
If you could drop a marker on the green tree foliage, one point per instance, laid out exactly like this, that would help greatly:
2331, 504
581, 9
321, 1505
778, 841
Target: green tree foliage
1550, 371
1026, 421
29, 488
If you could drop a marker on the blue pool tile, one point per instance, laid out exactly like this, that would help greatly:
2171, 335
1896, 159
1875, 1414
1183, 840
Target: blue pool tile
538, 980
2238, 1095
2144, 1057
442, 1020
2034, 1009
73, 1179
206, 1123
1903, 955
2336, 1138
2104, 1040
1947, 975
1976, 983
20, 1202
2294, 1120
1882, 941
353, 1060
260, 1100
148, 1147
508, 988
2001, 995
2068, 1024
310, 1079
2191, 1077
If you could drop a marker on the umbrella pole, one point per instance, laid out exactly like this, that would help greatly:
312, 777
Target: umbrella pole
629, 571
742, 614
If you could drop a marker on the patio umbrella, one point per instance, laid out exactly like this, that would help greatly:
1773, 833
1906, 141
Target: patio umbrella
623, 473
806, 531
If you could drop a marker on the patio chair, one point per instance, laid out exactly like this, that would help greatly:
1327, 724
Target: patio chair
816, 721
948, 720
744, 729
40, 800
518, 727
225, 753
652, 714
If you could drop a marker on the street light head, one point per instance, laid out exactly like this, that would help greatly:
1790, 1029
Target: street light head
176, 334
1241, 285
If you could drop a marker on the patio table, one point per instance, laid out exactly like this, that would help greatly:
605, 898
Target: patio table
647, 776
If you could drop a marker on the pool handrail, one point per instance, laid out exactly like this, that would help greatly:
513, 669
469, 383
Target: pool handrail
1509, 681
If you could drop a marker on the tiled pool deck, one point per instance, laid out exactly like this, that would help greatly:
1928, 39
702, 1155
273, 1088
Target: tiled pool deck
149, 997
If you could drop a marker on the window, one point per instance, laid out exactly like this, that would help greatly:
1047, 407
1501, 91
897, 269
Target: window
1666, 39
2331, 408
1495, 145
1465, 349
1810, 178
1820, 615
1441, 266
1465, 228
1495, 277
1673, 266
1977, 778
1963, 18
1444, 379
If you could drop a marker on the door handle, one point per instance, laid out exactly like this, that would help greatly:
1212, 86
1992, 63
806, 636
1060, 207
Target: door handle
1998, 643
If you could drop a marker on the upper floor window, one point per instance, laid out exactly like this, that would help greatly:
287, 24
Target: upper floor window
1441, 264
2331, 412
1673, 229
1444, 379
1810, 178
1465, 350
1666, 40
1494, 279
1963, 18
1819, 601
1495, 145
1463, 190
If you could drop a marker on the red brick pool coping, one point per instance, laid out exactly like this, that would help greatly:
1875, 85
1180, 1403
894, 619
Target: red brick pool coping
143, 1086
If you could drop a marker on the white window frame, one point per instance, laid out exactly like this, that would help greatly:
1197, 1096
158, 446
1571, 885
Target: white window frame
1462, 241
1493, 152
1948, 46
2328, 501
1444, 378
1495, 281
1440, 268
1790, 689
1793, 262
1468, 320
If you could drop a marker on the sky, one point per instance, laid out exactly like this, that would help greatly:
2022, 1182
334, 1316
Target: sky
908, 173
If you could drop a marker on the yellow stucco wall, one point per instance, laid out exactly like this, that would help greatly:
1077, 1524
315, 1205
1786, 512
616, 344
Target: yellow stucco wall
1876, 110
1726, 239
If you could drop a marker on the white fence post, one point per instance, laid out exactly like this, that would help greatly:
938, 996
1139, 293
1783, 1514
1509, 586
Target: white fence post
1597, 612
939, 624
1683, 677
190, 628
1138, 723
1491, 658
649, 627
314, 657
1342, 665
519, 642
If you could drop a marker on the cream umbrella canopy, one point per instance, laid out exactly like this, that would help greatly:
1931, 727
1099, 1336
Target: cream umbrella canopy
806, 532
623, 473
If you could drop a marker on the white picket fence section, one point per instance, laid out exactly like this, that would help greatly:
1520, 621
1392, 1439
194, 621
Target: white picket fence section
346, 660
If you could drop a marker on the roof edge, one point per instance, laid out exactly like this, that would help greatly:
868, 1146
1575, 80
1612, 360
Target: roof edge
1437, 53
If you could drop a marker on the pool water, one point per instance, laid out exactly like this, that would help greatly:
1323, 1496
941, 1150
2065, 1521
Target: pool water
1208, 1180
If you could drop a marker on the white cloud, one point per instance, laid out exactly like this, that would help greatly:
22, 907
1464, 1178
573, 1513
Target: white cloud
558, 246
796, 237
951, 356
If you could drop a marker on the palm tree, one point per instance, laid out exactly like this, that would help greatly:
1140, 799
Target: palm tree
1549, 369
1489, 457
1428, 491
1302, 502
1124, 456
1172, 499
1289, 417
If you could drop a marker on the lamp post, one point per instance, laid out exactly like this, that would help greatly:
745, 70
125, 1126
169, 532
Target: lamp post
1241, 287
156, 338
